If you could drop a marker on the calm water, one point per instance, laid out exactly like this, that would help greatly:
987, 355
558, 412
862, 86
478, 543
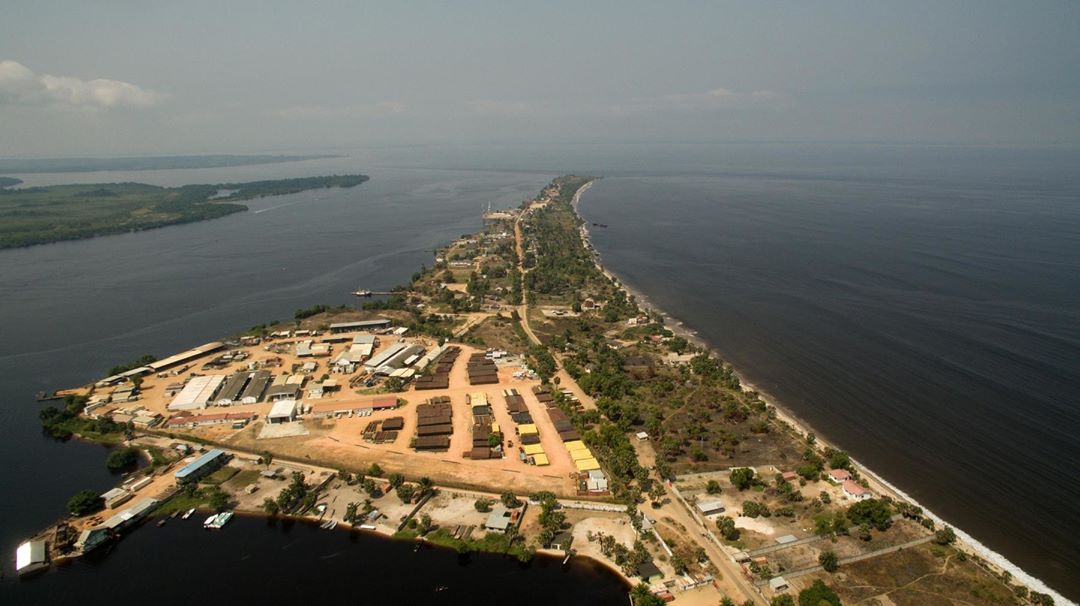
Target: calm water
925, 318
255, 561
73, 309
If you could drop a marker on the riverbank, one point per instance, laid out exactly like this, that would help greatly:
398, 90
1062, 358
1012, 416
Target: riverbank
995, 561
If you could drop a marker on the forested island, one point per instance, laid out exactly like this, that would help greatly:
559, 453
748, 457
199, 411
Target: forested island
40, 215
74, 165
9, 181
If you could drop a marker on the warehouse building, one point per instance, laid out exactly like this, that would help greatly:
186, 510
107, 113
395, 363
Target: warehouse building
362, 325
186, 356
234, 386
283, 411
198, 392
256, 387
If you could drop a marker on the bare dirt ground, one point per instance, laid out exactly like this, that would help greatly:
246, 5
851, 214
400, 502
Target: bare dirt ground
337, 442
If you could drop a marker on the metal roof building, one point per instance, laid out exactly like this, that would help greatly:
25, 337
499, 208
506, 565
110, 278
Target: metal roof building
347, 326
385, 355
197, 393
180, 358
283, 411
256, 387
234, 385
201, 465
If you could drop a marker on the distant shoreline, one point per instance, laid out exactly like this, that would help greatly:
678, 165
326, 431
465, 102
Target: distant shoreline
14, 166
965, 541
55, 213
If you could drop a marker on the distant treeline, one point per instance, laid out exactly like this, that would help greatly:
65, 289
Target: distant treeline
75, 165
9, 181
40, 215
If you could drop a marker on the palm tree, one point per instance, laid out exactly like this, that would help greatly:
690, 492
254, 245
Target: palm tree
426, 485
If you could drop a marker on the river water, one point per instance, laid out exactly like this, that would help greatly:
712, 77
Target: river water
918, 306
73, 309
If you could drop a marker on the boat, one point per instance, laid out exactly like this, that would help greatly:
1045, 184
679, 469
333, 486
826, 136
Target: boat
362, 292
187, 514
161, 522
332, 525
599, 224
215, 522
174, 514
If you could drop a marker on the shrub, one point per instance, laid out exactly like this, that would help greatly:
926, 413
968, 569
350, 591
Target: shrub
85, 502
122, 458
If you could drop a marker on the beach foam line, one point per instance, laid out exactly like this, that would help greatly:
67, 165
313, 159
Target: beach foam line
970, 542
974, 545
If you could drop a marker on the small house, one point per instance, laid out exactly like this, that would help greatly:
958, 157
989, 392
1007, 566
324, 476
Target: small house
839, 476
856, 492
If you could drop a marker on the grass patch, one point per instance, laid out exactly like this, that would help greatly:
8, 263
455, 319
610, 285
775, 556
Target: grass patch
157, 456
244, 478
182, 502
86, 429
222, 475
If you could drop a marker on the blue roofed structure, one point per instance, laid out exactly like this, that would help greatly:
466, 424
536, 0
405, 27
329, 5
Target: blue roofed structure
201, 466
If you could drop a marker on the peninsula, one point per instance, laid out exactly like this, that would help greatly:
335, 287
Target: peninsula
515, 398
76, 165
40, 215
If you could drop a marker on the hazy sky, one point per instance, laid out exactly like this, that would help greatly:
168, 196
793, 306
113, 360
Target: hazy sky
187, 77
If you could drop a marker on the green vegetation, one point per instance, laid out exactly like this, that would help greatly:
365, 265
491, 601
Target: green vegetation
818, 594
132, 365
727, 528
945, 536
296, 497
742, 478
40, 215
9, 181
220, 476
872, 512
157, 456
552, 521
191, 495
122, 458
829, 561
63, 423
492, 542
641, 595
315, 310
85, 502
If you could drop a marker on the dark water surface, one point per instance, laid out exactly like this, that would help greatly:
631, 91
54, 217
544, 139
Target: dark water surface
258, 561
928, 321
71, 310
